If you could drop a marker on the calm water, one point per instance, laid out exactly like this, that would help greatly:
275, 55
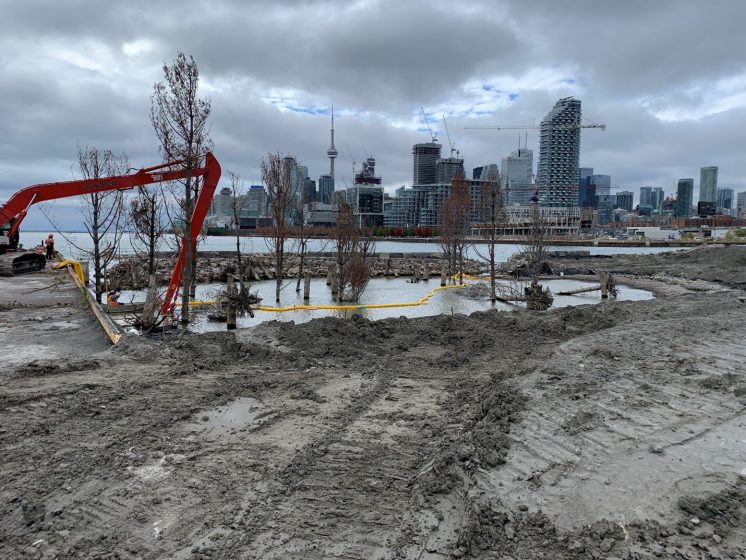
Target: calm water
381, 290
75, 244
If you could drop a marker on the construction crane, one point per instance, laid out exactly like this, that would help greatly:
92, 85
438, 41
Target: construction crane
453, 144
13, 212
433, 135
588, 124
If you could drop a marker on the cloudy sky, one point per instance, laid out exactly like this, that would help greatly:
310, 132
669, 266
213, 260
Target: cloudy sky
668, 78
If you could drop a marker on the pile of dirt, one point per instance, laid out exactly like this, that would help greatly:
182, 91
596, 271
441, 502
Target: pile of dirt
725, 265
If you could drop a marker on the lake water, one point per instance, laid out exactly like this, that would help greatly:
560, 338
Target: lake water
75, 245
381, 290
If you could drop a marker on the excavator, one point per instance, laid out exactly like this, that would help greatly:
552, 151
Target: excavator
13, 261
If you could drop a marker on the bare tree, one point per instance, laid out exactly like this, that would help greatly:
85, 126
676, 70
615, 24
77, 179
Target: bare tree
352, 248
534, 253
148, 226
281, 199
454, 226
103, 212
179, 118
492, 216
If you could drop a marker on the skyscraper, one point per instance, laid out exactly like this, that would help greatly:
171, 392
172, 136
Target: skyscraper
332, 152
587, 193
517, 175
448, 168
424, 163
326, 189
624, 200
559, 154
656, 199
741, 203
725, 200
646, 194
602, 183
708, 184
684, 198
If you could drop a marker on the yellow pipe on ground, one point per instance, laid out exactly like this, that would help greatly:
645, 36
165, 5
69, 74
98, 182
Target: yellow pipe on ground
77, 267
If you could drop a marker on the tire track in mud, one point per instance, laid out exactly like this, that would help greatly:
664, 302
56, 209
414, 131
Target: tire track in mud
338, 491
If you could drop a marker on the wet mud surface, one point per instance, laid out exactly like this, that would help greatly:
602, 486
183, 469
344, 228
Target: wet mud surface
612, 431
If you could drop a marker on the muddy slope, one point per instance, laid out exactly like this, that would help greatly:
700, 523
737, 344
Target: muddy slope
612, 431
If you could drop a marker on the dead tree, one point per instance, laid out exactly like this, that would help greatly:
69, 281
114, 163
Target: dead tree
179, 118
492, 216
534, 253
352, 249
454, 226
147, 221
301, 234
281, 199
103, 212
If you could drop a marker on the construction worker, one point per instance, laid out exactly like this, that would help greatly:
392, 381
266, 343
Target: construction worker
112, 298
50, 247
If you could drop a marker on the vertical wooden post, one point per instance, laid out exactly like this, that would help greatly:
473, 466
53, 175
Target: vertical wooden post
443, 274
307, 286
334, 280
416, 273
426, 271
231, 312
604, 285
329, 274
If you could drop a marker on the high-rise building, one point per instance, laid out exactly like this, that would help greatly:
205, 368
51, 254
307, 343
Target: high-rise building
741, 203
448, 168
256, 205
646, 195
684, 198
624, 200
587, 193
656, 199
424, 163
326, 189
606, 204
708, 184
486, 172
559, 155
517, 175
602, 184
725, 200
309, 190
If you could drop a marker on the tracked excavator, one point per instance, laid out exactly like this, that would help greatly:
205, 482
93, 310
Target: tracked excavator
14, 261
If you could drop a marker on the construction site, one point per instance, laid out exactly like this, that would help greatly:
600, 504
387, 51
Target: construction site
612, 430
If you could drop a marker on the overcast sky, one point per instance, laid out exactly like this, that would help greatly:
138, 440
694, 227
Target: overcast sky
667, 77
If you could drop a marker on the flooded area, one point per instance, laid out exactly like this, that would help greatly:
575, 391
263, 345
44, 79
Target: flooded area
382, 291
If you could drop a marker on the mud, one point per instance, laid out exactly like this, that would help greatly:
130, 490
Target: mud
611, 431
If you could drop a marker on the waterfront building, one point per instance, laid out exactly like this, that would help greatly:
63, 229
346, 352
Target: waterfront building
365, 197
256, 204
559, 154
624, 200
708, 184
517, 175
725, 200
326, 189
448, 168
424, 163
684, 198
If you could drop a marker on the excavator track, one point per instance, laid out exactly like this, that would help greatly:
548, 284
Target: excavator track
22, 262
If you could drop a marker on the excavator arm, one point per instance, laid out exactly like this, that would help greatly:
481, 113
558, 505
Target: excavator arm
16, 208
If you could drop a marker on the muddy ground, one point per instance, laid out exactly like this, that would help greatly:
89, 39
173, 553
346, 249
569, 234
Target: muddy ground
609, 431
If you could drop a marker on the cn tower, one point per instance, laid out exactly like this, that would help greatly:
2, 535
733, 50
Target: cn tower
332, 151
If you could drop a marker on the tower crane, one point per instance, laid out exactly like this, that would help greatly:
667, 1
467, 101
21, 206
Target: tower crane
433, 135
588, 124
453, 144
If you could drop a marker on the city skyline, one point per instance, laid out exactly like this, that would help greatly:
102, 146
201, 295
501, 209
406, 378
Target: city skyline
83, 75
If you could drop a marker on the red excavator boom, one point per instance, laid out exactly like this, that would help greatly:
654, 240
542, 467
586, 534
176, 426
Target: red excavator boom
16, 208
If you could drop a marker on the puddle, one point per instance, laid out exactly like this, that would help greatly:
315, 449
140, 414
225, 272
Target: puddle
241, 415
388, 291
